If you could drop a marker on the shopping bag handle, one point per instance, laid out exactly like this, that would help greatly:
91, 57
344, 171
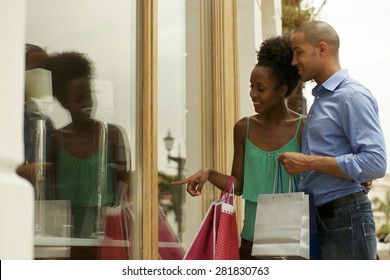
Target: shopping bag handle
292, 179
278, 183
228, 193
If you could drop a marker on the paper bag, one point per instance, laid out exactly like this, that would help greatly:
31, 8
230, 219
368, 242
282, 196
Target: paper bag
282, 228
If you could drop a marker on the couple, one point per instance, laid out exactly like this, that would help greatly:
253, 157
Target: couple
337, 148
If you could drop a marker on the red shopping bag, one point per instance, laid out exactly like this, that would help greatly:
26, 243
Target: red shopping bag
115, 244
169, 246
227, 243
218, 235
202, 247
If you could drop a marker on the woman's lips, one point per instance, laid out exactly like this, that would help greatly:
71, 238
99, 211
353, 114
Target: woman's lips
87, 110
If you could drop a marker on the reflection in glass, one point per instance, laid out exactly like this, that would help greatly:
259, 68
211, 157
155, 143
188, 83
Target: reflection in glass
172, 118
89, 210
90, 156
37, 167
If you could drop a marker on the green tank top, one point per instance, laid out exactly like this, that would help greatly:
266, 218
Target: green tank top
77, 179
260, 173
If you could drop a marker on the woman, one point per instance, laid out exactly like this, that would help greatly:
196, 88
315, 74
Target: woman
84, 147
259, 139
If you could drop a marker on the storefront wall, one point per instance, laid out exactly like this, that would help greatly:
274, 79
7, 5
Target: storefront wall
16, 195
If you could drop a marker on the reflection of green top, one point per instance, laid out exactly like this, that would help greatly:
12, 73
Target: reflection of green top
77, 180
260, 170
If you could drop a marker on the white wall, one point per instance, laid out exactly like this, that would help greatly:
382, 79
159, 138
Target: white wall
16, 195
257, 20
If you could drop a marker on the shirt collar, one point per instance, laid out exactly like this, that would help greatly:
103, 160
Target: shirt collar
332, 83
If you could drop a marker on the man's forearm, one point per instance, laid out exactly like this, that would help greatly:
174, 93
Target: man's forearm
327, 165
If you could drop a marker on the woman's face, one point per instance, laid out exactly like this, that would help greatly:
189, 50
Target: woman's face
264, 93
78, 98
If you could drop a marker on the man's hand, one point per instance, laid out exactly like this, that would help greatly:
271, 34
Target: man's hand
297, 163
294, 163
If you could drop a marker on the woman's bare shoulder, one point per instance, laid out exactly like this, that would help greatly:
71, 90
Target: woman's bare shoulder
241, 124
294, 116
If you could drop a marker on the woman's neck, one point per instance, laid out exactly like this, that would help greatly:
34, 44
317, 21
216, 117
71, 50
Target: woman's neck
85, 125
276, 115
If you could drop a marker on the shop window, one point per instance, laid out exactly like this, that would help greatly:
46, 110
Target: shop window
181, 114
172, 114
81, 136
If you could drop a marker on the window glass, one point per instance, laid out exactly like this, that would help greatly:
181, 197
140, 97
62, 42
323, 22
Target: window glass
80, 128
171, 127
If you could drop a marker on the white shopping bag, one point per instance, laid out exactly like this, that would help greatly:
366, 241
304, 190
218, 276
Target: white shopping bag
282, 226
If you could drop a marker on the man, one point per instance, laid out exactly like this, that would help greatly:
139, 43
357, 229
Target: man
38, 95
342, 146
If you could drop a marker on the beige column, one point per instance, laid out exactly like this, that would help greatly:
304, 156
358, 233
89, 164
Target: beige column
218, 87
225, 93
147, 125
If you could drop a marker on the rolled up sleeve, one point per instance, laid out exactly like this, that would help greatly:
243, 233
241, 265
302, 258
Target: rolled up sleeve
367, 160
363, 167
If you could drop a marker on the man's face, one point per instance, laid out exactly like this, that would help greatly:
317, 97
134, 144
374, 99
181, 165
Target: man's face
38, 83
305, 57
37, 59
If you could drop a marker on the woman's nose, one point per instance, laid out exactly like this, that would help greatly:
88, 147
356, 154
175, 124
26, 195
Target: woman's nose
87, 102
252, 93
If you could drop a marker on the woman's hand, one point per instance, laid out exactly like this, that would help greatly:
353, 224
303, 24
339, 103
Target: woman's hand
28, 170
367, 185
195, 182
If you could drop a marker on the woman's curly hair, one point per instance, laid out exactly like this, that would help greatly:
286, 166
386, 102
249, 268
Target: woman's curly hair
67, 66
276, 54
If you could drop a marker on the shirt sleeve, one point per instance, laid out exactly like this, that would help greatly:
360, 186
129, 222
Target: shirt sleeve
360, 121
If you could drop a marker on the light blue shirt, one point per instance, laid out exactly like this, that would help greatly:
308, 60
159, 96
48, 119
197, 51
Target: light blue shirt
343, 123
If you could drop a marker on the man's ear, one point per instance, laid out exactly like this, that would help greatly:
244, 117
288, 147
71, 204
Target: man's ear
323, 48
62, 102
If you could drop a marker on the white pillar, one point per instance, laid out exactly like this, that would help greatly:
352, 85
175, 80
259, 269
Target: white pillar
16, 195
271, 14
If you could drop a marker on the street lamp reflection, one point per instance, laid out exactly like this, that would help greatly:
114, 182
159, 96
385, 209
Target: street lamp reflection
169, 141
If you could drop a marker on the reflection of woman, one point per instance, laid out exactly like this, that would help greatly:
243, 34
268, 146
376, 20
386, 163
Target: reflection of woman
259, 139
79, 145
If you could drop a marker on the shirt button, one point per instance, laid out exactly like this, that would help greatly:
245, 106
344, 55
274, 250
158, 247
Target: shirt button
301, 177
269, 155
318, 97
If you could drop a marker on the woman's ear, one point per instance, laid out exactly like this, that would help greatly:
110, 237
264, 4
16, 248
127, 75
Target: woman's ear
283, 90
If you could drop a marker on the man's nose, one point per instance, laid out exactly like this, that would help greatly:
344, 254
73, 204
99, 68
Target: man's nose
294, 61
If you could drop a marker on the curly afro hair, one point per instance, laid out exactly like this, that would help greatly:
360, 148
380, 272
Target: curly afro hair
276, 54
67, 66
